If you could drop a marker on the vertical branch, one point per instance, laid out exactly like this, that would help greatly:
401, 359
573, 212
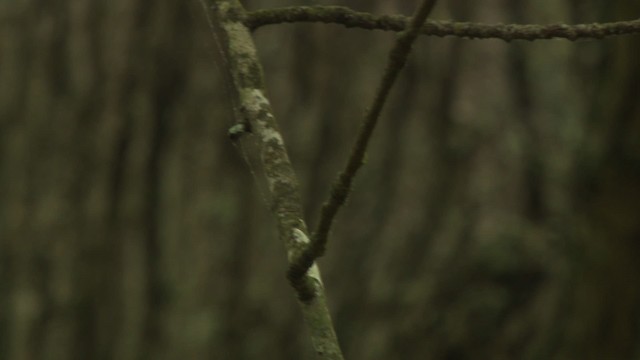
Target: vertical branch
245, 75
342, 186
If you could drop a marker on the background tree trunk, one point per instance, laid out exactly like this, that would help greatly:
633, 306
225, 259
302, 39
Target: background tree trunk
496, 216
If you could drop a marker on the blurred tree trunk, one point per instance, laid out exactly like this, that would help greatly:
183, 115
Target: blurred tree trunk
605, 322
108, 176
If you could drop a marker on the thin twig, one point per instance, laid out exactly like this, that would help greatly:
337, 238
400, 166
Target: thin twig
349, 18
342, 185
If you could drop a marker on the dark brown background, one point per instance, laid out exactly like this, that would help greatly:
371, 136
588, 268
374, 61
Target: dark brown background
496, 217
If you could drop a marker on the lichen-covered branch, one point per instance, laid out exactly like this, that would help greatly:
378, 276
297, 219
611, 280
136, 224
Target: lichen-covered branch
342, 185
245, 75
349, 18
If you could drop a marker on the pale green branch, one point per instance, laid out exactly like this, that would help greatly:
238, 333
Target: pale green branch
253, 109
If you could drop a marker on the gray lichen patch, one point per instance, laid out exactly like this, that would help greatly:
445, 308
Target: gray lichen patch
230, 11
299, 236
257, 109
300, 241
268, 135
314, 273
243, 56
253, 100
278, 183
250, 75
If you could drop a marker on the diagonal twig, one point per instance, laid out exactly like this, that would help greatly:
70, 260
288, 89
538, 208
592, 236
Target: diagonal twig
342, 185
349, 18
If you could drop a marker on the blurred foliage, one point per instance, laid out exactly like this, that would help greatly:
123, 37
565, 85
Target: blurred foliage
495, 218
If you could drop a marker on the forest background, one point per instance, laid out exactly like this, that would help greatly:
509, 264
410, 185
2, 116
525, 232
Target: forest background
496, 216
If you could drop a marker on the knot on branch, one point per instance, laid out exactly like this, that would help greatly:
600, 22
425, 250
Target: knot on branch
300, 265
298, 280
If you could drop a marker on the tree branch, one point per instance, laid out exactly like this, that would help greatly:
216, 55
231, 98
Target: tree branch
245, 73
342, 185
349, 18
